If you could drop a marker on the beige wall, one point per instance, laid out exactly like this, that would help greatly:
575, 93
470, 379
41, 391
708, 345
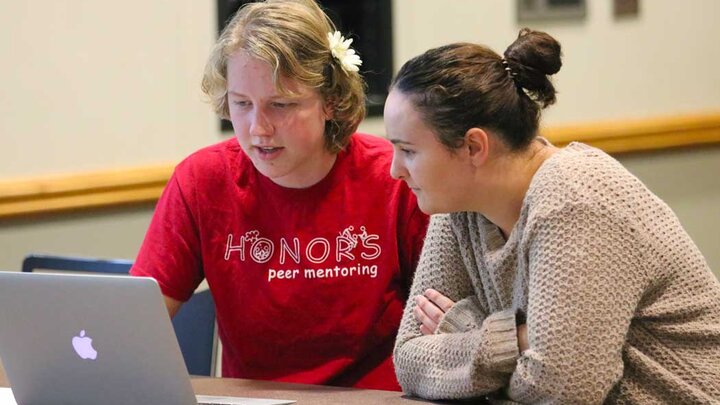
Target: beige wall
90, 85
110, 233
663, 62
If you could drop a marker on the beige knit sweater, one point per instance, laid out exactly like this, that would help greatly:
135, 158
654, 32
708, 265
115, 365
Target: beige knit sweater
621, 306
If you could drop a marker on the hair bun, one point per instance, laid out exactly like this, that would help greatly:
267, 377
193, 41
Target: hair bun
537, 50
533, 57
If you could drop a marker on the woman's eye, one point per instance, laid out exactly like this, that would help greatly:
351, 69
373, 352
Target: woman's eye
278, 104
407, 152
241, 103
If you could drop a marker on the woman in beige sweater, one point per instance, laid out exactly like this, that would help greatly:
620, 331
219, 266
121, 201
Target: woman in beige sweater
548, 275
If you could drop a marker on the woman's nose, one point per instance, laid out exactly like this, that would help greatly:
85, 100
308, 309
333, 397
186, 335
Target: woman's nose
260, 125
397, 170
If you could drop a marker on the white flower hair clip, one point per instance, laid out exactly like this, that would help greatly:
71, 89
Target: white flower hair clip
341, 51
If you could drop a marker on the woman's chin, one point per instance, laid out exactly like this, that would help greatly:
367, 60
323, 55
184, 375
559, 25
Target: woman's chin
425, 207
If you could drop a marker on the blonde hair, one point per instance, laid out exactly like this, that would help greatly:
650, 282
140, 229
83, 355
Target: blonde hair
290, 35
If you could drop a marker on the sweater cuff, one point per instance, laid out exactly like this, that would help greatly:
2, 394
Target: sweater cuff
500, 341
462, 317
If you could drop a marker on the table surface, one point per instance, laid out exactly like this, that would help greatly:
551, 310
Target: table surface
302, 393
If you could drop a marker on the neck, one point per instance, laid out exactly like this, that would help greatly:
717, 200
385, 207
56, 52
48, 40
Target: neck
509, 181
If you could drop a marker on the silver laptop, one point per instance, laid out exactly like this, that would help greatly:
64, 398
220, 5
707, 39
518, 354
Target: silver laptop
93, 339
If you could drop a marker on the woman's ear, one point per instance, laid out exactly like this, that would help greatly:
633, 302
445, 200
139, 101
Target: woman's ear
329, 110
477, 145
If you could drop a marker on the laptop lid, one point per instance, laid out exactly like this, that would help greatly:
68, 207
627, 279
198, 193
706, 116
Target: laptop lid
89, 339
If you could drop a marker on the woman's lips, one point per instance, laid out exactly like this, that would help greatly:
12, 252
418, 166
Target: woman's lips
268, 152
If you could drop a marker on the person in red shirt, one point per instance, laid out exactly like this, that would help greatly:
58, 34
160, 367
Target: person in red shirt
306, 242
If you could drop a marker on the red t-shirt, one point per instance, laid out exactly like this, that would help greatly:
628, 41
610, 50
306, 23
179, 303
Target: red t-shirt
309, 283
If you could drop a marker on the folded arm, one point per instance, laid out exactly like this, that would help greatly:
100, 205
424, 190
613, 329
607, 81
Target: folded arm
586, 279
473, 353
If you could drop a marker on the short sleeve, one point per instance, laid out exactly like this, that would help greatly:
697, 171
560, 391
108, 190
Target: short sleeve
170, 252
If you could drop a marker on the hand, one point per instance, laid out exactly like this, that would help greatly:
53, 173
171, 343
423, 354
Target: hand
522, 336
429, 310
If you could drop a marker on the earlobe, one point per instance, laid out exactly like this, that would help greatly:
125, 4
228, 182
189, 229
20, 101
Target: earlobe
477, 144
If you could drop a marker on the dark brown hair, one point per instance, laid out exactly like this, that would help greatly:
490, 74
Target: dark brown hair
461, 86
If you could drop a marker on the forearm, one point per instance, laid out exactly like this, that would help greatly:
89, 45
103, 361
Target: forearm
452, 365
465, 315
581, 301
565, 375
457, 365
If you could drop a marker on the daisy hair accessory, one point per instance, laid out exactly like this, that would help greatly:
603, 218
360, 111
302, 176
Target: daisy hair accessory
341, 51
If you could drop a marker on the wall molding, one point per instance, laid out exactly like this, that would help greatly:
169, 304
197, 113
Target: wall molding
31, 196
80, 191
644, 135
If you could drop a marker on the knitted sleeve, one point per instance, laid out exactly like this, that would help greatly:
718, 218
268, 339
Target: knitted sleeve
466, 314
586, 277
452, 365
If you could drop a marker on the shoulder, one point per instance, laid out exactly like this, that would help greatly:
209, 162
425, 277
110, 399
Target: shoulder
582, 175
582, 183
213, 167
579, 164
213, 154
366, 147
210, 160
366, 165
367, 158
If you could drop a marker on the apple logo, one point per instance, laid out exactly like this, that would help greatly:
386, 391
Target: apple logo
83, 346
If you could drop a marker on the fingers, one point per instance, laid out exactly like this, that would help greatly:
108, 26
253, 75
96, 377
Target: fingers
427, 314
441, 301
429, 310
425, 331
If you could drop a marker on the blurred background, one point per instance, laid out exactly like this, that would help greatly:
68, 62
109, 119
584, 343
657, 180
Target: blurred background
100, 99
